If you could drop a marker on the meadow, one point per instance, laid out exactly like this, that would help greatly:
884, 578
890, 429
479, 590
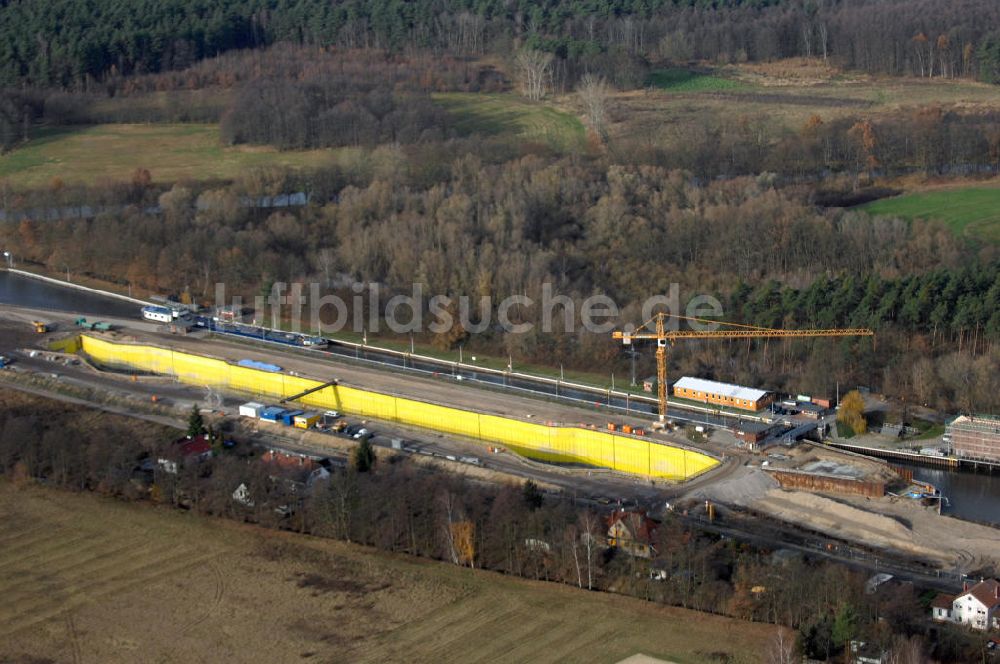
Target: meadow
970, 212
168, 586
171, 152
509, 114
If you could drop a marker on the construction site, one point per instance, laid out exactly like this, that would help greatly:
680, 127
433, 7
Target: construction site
684, 456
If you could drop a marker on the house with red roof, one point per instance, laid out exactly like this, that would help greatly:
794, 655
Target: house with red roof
978, 606
185, 450
633, 532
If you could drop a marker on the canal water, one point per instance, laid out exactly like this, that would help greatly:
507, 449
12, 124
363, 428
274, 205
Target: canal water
971, 495
28, 292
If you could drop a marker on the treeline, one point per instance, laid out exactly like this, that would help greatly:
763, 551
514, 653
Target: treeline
286, 96
292, 115
933, 140
490, 226
513, 529
68, 44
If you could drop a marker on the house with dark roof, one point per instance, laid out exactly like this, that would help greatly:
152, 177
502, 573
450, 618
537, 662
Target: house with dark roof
977, 606
632, 532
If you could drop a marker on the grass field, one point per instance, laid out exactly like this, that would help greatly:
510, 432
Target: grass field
972, 212
494, 114
685, 80
168, 586
170, 151
785, 93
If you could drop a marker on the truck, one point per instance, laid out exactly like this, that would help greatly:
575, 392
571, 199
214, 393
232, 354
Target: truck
99, 325
41, 327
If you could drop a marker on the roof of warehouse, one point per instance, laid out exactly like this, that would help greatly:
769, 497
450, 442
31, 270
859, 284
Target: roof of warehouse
724, 389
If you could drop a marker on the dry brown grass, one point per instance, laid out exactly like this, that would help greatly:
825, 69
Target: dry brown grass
87, 579
786, 94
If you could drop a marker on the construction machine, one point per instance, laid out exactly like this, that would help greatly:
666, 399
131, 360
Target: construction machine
656, 329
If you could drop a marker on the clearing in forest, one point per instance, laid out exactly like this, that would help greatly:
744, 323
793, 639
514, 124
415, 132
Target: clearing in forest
971, 212
494, 114
170, 152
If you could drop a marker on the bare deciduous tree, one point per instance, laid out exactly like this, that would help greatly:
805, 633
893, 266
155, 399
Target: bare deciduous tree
782, 650
590, 531
593, 92
535, 69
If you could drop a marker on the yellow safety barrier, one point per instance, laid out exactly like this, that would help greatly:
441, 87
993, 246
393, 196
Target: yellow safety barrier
546, 443
67, 345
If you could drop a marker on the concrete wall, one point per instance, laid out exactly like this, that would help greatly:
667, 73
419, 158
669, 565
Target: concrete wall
547, 443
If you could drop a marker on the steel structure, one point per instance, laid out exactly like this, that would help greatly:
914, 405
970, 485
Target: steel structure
657, 330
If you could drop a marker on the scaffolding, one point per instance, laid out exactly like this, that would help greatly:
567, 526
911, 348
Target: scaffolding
975, 436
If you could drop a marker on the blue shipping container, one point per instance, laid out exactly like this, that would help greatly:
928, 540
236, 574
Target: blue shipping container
272, 413
288, 418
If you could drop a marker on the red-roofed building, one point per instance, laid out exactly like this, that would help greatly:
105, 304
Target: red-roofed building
632, 532
285, 460
183, 451
941, 607
978, 606
297, 468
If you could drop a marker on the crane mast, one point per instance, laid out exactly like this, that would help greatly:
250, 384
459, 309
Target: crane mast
657, 330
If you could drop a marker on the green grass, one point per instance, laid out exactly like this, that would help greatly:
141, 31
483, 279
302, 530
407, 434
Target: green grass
170, 151
495, 114
928, 430
972, 212
685, 80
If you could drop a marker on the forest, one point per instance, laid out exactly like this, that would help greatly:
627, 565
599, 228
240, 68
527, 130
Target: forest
581, 227
70, 44
718, 192
408, 508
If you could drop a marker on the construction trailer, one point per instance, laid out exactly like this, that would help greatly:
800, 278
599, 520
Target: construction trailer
251, 409
306, 420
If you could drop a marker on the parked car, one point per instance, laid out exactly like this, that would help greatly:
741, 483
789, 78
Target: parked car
361, 432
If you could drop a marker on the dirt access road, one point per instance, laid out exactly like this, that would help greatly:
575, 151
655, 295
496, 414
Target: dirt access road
169, 586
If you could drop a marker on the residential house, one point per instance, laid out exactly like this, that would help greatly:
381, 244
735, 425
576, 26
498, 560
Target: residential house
978, 606
185, 450
941, 607
297, 469
868, 653
632, 532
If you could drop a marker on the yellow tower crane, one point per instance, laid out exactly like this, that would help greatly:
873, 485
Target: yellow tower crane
656, 329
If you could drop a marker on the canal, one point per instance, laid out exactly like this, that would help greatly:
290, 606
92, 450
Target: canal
27, 292
971, 495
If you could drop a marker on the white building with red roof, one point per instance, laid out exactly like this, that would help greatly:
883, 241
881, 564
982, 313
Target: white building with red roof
978, 606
